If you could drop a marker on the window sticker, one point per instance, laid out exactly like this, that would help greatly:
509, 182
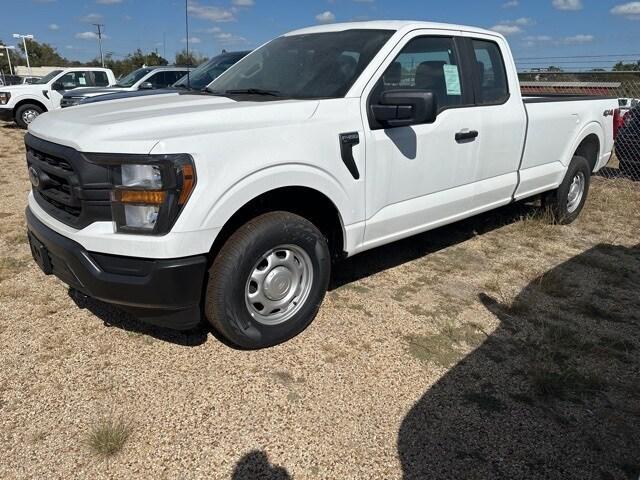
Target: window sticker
83, 81
452, 79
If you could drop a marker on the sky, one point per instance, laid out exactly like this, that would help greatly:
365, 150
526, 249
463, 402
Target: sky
539, 31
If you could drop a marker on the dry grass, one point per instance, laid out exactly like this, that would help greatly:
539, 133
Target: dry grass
504, 346
107, 437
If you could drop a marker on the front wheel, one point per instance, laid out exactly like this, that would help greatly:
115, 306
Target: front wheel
27, 113
268, 280
566, 202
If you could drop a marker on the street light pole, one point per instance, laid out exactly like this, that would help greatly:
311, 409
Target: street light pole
99, 26
24, 43
6, 49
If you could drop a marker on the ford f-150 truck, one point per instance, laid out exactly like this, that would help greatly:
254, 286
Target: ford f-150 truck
23, 103
229, 205
142, 79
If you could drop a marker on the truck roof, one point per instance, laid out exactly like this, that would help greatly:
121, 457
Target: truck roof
406, 25
84, 69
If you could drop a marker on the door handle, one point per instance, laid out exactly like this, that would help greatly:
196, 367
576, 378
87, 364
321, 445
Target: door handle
466, 135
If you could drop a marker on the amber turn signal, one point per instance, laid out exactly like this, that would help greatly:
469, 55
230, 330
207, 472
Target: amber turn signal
145, 197
188, 181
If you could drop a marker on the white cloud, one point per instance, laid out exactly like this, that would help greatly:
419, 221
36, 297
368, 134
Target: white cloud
108, 2
506, 30
538, 38
193, 40
326, 17
567, 4
578, 39
54, 26
229, 39
213, 14
629, 10
90, 36
91, 18
511, 4
243, 3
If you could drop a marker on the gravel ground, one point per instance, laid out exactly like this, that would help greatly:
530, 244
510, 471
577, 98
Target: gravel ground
500, 347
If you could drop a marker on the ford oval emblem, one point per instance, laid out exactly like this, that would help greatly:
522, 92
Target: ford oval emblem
34, 177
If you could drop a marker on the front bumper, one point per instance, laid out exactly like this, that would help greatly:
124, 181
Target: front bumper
164, 292
6, 114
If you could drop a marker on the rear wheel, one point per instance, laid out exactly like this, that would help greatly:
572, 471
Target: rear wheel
268, 280
567, 201
27, 113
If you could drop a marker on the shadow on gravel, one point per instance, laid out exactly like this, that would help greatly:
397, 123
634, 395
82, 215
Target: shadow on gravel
552, 393
409, 249
114, 317
255, 466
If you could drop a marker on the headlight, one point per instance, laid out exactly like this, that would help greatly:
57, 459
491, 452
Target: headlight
149, 191
4, 98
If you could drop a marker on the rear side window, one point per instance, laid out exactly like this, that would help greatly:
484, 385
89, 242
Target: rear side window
173, 77
426, 63
101, 79
491, 73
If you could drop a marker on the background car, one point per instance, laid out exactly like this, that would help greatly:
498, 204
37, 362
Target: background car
628, 143
147, 78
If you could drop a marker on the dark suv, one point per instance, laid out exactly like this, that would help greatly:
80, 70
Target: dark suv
628, 143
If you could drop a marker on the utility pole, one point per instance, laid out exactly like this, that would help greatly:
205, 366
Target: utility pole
6, 49
100, 26
24, 44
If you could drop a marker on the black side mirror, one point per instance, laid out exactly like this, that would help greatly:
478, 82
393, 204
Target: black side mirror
401, 108
57, 86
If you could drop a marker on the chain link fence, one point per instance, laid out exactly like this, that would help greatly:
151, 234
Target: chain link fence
625, 86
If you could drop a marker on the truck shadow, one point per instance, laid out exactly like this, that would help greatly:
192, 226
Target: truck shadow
112, 316
255, 465
553, 392
392, 255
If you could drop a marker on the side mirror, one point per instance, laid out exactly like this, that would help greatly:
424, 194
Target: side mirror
146, 86
401, 108
57, 86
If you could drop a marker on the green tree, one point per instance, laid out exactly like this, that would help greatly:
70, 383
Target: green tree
192, 59
627, 67
43, 55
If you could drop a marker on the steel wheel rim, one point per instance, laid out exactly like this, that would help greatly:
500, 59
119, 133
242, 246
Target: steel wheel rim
576, 192
29, 116
279, 284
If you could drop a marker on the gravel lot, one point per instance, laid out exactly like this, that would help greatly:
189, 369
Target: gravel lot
501, 347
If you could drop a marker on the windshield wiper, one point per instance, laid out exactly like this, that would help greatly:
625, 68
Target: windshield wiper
248, 91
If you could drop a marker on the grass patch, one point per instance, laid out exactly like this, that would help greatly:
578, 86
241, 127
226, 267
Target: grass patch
563, 383
11, 266
108, 437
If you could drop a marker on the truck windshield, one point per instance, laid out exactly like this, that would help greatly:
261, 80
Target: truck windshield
208, 72
133, 77
309, 66
48, 77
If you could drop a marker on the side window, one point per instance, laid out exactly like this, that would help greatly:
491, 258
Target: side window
157, 80
426, 63
492, 76
73, 80
101, 79
173, 77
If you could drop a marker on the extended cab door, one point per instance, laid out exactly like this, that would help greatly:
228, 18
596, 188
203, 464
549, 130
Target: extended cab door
69, 81
501, 121
421, 176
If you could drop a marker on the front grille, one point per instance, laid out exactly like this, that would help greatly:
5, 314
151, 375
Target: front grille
66, 185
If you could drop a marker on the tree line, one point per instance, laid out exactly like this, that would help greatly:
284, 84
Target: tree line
43, 54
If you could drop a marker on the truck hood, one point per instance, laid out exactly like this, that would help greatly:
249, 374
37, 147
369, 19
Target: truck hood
136, 125
24, 88
93, 91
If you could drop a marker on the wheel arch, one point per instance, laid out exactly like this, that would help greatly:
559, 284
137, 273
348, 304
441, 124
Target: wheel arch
588, 145
308, 202
31, 101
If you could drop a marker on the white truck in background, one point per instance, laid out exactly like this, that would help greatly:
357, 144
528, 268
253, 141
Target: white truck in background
23, 103
230, 204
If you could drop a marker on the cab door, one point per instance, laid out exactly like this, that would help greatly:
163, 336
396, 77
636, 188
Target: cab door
66, 82
421, 176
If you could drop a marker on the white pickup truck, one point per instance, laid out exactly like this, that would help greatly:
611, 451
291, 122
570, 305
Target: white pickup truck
23, 103
230, 204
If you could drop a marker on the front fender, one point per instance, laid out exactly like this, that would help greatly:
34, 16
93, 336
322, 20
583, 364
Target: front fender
280, 176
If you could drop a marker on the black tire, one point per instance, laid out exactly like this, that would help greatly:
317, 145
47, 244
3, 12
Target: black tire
226, 304
557, 201
22, 109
